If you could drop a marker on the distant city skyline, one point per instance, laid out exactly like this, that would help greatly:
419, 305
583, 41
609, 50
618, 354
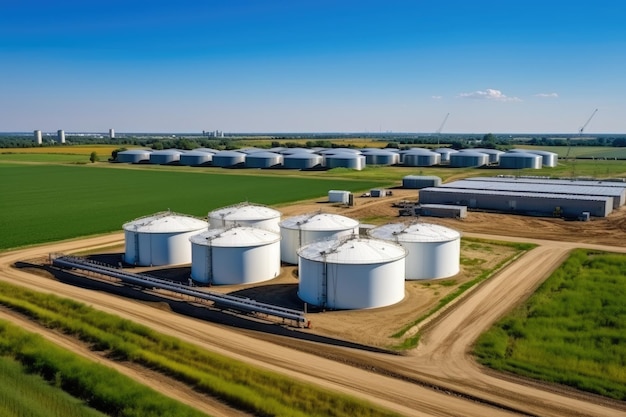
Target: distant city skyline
313, 66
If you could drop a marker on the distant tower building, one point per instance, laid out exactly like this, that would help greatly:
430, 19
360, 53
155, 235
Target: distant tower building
221, 134
37, 134
111, 133
61, 136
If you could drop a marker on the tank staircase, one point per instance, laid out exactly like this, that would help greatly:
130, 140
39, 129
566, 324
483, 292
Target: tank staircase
224, 301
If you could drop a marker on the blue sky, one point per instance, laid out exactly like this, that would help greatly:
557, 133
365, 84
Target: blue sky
313, 66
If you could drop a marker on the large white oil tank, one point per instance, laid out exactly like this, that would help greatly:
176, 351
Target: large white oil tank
548, 159
468, 159
520, 160
195, 158
494, 154
344, 159
161, 239
165, 156
228, 159
245, 214
301, 230
134, 156
433, 251
351, 273
445, 153
381, 157
302, 160
421, 159
235, 255
264, 160
292, 151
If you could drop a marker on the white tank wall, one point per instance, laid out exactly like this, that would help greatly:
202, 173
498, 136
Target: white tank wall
351, 286
433, 251
294, 239
235, 265
155, 249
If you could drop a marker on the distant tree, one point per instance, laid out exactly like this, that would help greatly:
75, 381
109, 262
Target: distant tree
275, 144
489, 141
94, 157
115, 152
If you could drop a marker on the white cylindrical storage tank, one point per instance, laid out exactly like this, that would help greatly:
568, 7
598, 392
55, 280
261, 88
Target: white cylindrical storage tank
61, 136
134, 156
195, 158
433, 251
160, 239
468, 159
235, 255
334, 151
245, 214
417, 182
209, 150
445, 153
412, 151
301, 230
302, 160
227, 159
421, 159
344, 160
381, 157
548, 159
351, 273
520, 160
263, 160
37, 136
165, 156
293, 151
494, 154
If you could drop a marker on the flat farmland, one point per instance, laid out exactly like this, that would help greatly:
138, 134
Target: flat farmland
44, 203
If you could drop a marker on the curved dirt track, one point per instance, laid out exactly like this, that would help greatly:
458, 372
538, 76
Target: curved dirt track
442, 359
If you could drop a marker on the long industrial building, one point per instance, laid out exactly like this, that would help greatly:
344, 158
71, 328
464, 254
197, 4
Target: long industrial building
532, 196
617, 193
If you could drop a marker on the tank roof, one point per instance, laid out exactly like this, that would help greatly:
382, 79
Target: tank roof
245, 211
353, 250
416, 232
319, 221
236, 236
165, 222
263, 155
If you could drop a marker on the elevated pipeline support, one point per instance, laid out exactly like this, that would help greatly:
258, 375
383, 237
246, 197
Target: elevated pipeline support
240, 304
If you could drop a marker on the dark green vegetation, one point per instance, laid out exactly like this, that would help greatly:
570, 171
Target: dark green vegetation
29, 395
100, 387
43, 203
477, 272
259, 392
572, 331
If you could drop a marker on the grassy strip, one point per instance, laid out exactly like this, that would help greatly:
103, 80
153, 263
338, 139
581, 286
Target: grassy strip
572, 331
100, 387
412, 341
241, 386
27, 395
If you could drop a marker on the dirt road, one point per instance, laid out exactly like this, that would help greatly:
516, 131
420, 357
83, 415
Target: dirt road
442, 361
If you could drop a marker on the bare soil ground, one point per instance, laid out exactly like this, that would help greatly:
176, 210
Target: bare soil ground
439, 378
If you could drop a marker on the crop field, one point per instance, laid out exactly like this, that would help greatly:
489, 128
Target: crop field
246, 388
23, 394
43, 203
571, 331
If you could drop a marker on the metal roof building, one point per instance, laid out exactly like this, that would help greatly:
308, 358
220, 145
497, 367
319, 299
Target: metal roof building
543, 204
420, 181
617, 194
546, 180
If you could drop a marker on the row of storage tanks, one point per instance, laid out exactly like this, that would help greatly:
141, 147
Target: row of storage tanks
337, 267
304, 158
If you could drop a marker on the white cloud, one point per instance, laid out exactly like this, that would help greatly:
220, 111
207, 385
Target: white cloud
436, 97
489, 94
547, 95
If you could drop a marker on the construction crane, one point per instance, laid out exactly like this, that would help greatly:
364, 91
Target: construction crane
438, 132
580, 132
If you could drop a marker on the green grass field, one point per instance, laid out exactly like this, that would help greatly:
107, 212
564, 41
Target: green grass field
28, 395
571, 331
42, 203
